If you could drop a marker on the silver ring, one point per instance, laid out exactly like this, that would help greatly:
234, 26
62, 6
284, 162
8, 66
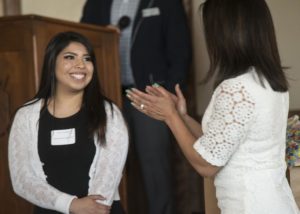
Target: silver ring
142, 106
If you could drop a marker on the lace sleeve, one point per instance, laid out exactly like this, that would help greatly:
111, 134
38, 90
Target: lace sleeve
232, 111
25, 179
112, 157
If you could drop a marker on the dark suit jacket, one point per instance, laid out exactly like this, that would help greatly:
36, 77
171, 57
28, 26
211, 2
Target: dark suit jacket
161, 50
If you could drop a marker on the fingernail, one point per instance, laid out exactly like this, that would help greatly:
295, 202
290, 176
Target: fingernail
127, 95
127, 91
155, 85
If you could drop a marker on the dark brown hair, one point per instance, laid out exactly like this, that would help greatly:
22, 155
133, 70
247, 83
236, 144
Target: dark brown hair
240, 34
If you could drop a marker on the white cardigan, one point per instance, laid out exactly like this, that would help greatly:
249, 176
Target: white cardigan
29, 179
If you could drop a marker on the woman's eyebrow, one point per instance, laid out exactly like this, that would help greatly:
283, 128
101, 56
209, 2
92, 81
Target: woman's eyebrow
73, 53
69, 52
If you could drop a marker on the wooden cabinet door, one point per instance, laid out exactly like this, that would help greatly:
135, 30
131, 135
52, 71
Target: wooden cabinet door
15, 88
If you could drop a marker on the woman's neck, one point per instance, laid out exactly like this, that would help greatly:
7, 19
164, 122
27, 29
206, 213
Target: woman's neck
63, 105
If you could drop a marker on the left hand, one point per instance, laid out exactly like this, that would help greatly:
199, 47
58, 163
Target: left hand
159, 104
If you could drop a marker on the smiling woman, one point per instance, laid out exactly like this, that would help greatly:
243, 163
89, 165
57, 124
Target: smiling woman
56, 138
74, 69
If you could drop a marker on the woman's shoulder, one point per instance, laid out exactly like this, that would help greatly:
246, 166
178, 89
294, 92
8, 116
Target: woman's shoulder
115, 117
28, 112
249, 81
232, 85
111, 108
245, 87
31, 106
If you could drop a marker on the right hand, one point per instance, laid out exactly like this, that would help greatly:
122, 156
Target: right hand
178, 99
158, 105
89, 205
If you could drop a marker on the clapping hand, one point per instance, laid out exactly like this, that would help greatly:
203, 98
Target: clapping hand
158, 103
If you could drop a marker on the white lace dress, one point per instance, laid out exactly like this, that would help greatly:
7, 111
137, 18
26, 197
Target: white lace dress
244, 130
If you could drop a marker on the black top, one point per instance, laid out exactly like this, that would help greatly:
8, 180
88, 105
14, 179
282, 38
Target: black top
66, 152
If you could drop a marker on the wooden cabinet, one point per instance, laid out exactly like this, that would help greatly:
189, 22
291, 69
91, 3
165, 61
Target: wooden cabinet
22, 43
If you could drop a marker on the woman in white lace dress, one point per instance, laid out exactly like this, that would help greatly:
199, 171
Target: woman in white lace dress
242, 138
68, 145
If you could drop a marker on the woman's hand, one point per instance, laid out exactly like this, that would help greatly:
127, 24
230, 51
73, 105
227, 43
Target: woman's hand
89, 205
178, 99
157, 103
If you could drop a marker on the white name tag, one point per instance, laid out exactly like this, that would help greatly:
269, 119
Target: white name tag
62, 137
151, 12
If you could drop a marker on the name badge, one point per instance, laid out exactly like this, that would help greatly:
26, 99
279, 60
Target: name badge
63, 137
150, 12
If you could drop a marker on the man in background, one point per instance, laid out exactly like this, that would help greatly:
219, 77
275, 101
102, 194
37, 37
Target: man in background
154, 48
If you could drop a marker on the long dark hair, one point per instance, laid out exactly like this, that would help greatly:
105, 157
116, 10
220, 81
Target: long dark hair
93, 99
240, 34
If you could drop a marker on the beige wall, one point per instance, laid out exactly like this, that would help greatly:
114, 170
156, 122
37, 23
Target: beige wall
203, 92
62, 9
286, 18
286, 15
1, 8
